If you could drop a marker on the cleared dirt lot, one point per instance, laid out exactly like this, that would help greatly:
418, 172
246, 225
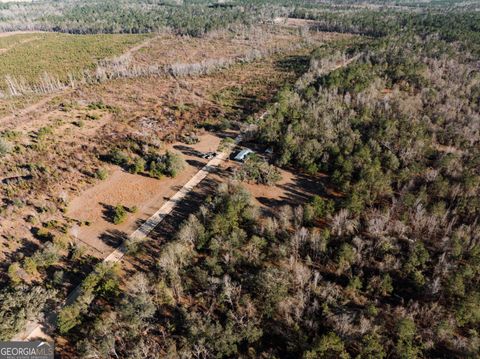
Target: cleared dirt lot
101, 236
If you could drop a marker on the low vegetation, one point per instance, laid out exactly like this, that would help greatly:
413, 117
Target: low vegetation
4, 147
50, 61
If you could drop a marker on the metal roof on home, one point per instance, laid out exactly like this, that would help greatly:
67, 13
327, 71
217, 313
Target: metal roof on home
242, 154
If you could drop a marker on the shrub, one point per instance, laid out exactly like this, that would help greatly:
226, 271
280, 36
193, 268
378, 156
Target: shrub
117, 157
119, 214
101, 174
5, 147
133, 209
79, 123
90, 116
174, 164
13, 271
226, 143
138, 166
190, 139
155, 169
58, 277
170, 164
30, 266
44, 234
44, 132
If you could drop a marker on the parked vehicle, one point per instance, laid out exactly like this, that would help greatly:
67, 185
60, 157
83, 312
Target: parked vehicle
209, 155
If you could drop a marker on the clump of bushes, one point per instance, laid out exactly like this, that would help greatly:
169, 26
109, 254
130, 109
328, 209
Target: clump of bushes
13, 273
138, 166
118, 157
259, 171
101, 174
44, 132
216, 125
100, 105
226, 143
190, 139
169, 164
90, 116
119, 214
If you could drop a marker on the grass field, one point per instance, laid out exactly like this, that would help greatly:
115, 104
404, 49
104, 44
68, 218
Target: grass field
27, 57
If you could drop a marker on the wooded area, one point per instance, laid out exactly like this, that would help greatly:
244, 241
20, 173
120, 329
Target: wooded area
385, 263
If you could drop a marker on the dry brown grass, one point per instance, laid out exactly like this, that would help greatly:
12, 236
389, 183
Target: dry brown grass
62, 163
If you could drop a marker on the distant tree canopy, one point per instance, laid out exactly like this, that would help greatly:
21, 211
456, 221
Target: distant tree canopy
109, 17
452, 20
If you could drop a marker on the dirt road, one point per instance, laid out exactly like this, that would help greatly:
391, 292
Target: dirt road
33, 107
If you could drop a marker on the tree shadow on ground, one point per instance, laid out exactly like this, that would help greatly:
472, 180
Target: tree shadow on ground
108, 212
150, 250
188, 151
296, 63
197, 164
113, 238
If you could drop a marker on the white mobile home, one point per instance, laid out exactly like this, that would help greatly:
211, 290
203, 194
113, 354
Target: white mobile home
242, 155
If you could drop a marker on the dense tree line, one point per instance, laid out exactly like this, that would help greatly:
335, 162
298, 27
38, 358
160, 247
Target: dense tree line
397, 133
109, 17
194, 19
451, 19
453, 26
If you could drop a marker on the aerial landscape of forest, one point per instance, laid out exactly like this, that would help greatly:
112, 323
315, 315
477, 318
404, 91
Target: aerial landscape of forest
241, 179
